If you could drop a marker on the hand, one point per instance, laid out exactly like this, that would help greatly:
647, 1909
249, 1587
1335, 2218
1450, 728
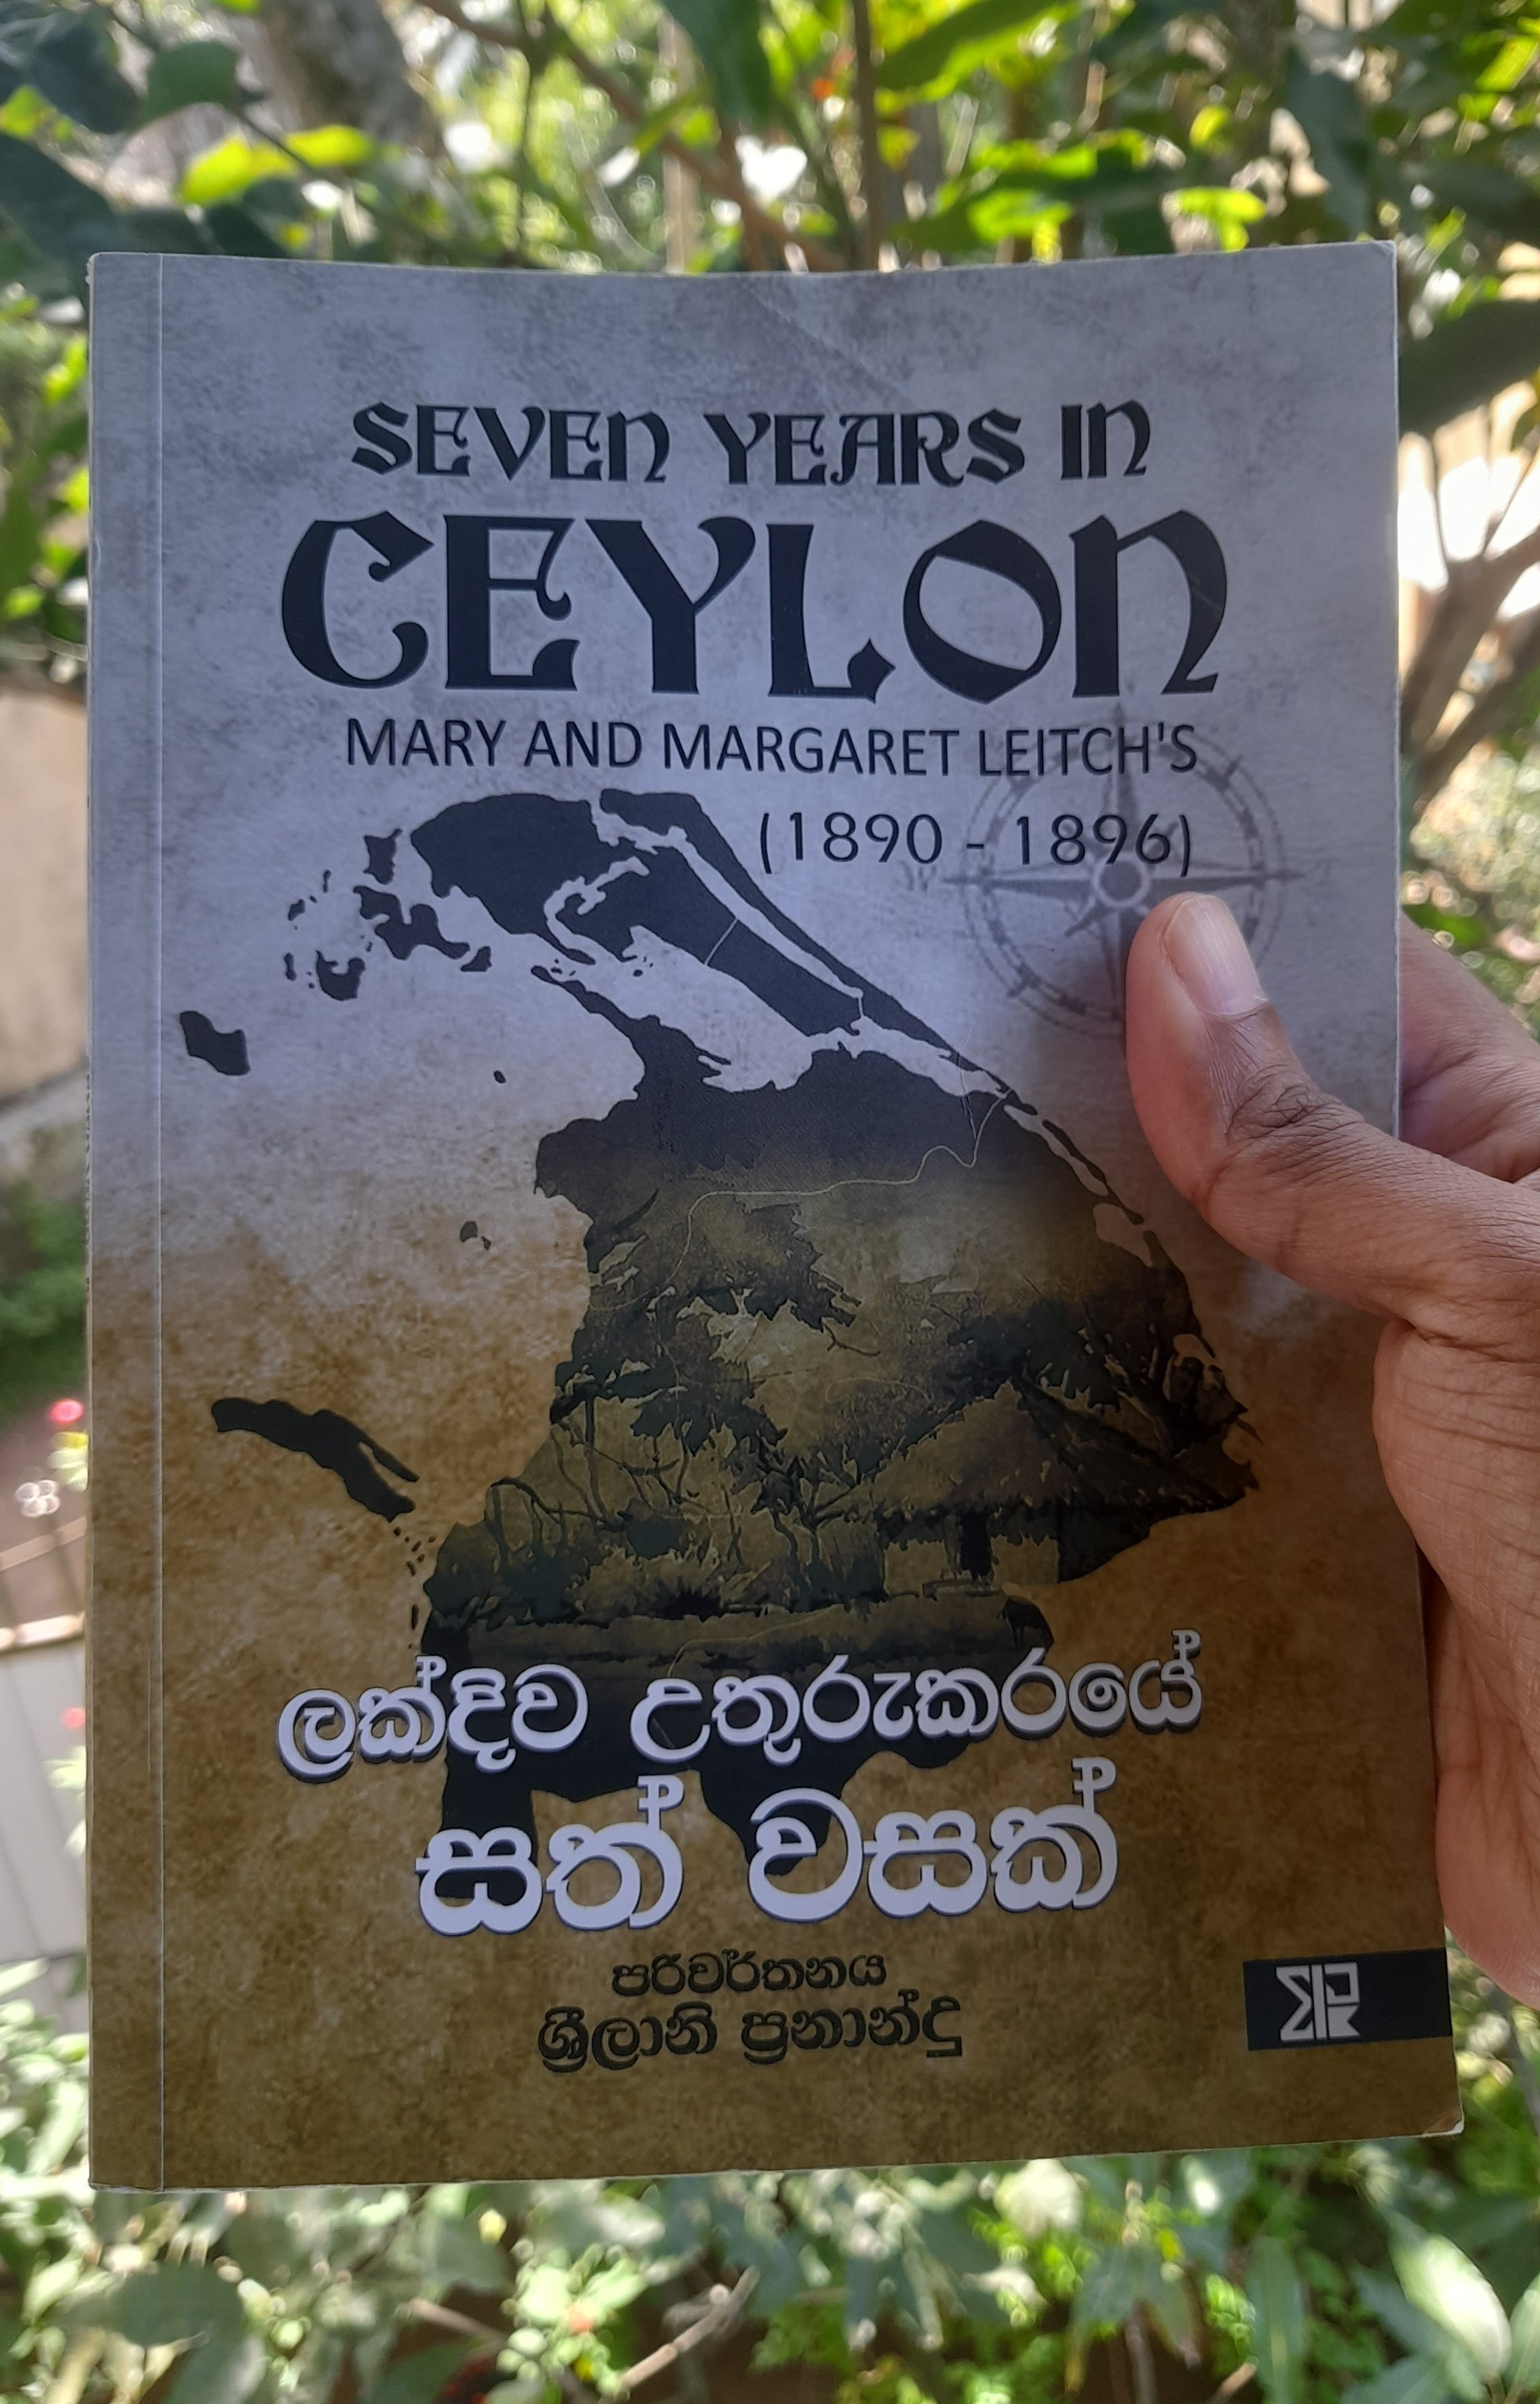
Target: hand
1439, 1235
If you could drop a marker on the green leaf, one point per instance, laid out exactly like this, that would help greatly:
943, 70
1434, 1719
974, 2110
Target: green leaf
50, 2283
67, 374
1169, 2301
60, 216
190, 74
21, 548
1331, 116
726, 37
1445, 2283
1228, 212
1466, 360
60, 2125
1110, 2287
1524, 2359
1139, 232
168, 229
1277, 2299
1214, 2184
226, 2370
239, 235
167, 2303
1488, 196
458, 2257
230, 169
70, 57
329, 146
20, 1974
1421, 2336
674, 117
1512, 63
422, 2377
926, 59
1418, 2380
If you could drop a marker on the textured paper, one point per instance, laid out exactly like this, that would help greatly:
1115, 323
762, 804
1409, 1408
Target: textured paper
612, 1164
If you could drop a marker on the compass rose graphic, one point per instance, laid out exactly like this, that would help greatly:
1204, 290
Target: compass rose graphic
1055, 927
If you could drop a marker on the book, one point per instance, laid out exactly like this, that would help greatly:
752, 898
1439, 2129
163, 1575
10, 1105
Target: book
697, 1561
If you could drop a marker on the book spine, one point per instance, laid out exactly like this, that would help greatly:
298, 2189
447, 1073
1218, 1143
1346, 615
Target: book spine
125, 1682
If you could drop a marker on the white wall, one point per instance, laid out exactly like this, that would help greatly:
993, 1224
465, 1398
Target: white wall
42, 889
42, 1880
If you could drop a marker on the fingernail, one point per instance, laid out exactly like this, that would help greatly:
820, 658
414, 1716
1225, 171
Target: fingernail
1207, 951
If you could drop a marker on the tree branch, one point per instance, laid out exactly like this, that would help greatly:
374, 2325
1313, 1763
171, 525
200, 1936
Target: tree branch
680, 218
719, 2319
1233, 2386
871, 150
454, 2323
1141, 2358
340, 59
716, 175
1435, 494
719, 2322
1465, 610
1486, 717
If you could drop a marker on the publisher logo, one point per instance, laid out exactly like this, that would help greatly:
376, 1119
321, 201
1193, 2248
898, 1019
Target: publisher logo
1326, 2002
1345, 1999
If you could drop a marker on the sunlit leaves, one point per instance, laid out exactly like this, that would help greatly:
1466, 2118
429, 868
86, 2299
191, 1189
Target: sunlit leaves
1513, 62
1229, 212
960, 43
20, 539
232, 168
71, 58
66, 375
1018, 186
966, 2287
1523, 2365
1445, 2283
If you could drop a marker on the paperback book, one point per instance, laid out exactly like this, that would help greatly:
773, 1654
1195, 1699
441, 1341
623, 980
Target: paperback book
697, 1561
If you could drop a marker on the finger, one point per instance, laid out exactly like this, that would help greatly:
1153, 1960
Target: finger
1470, 1074
1292, 1176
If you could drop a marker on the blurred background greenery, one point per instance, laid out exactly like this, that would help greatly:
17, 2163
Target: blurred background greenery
796, 136
1391, 2273
800, 135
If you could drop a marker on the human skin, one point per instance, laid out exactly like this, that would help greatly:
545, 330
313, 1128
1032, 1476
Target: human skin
1438, 1235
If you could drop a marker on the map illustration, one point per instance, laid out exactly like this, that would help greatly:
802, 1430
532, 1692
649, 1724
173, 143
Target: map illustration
872, 1355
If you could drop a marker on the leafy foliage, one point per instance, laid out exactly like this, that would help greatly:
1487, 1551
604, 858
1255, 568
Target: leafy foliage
1474, 881
42, 526
789, 134
1376, 2273
42, 1298
799, 135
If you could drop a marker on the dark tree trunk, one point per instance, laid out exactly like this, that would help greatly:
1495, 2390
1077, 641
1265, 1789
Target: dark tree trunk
340, 62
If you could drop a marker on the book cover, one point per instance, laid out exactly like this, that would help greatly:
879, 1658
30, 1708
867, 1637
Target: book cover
696, 1564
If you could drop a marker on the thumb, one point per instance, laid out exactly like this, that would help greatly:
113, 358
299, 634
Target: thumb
1291, 1175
